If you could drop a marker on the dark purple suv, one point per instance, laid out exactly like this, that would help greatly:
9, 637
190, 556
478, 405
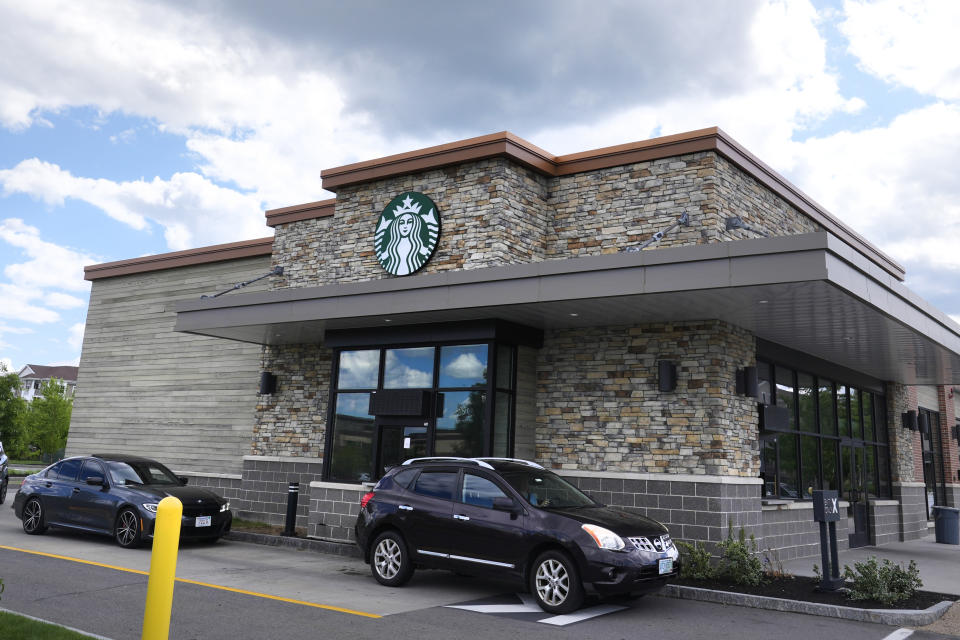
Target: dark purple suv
513, 519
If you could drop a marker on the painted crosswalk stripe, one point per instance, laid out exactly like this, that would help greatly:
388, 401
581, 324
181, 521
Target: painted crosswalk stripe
899, 634
583, 614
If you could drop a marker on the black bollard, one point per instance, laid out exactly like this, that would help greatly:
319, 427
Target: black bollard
293, 494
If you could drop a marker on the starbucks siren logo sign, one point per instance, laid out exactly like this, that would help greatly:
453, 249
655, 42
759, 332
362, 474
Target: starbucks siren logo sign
407, 233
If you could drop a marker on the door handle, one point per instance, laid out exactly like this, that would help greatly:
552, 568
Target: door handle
461, 517
76, 489
48, 484
405, 507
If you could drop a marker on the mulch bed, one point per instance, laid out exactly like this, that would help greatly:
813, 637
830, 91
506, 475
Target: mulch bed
804, 589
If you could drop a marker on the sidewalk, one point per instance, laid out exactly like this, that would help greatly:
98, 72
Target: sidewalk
939, 564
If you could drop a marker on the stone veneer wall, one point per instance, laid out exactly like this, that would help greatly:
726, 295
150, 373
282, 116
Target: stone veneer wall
600, 409
492, 213
292, 421
904, 444
790, 532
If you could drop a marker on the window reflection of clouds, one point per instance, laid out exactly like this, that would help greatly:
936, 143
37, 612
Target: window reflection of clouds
353, 404
408, 368
463, 365
359, 369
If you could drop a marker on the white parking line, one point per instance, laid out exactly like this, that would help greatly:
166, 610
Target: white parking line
583, 614
899, 634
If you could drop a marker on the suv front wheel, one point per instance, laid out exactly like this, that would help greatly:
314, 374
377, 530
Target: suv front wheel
555, 583
390, 561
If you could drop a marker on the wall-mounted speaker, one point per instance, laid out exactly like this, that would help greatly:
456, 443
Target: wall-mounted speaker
747, 382
667, 375
268, 383
909, 420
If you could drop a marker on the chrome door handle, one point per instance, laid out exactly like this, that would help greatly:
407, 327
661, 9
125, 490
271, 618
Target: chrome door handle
461, 517
405, 507
76, 489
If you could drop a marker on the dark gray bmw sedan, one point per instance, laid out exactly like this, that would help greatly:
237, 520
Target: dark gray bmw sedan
116, 495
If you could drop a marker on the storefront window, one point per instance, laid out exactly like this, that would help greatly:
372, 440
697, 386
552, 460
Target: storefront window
408, 368
501, 425
843, 411
352, 452
867, 399
786, 396
460, 424
789, 486
810, 465
807, 402
828, 417
463, 366
855, 431
359, 369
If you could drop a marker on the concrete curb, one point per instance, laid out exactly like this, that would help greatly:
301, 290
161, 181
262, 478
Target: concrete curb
304, 544
893, 617
55, 624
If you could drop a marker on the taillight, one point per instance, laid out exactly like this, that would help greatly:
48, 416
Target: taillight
365, 499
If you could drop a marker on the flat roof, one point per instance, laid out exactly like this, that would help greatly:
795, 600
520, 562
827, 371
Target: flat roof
810, 292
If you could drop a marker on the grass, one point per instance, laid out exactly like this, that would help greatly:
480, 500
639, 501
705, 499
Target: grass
253, 526
16, 627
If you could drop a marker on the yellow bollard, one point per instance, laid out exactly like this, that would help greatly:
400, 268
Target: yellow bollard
163, 570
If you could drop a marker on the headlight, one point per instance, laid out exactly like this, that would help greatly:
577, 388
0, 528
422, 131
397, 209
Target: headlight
150, 506
604, 538
225, 506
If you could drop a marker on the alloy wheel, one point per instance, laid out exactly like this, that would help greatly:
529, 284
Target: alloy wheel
32, 516
552, 582
387, 558
128, 528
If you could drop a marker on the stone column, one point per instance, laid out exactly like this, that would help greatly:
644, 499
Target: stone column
906, 462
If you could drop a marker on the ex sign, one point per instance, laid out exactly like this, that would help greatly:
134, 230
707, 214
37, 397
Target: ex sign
826, 506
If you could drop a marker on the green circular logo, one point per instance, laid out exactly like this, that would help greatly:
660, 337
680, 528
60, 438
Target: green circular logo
407, 233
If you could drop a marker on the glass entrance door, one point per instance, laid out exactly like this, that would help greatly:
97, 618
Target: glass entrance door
853, 460
399, 442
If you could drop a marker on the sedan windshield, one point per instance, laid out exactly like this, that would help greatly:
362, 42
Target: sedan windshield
546, 490
141, 472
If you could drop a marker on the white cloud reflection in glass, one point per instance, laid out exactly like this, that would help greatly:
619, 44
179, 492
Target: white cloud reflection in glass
463, 365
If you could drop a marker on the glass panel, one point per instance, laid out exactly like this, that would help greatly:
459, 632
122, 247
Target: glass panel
505, 366
828, 449
846, 461
883, 464
880, 410
769, 466
91, 468
828, 418
501, 424
480, 491
788, 465
352, 450
438, 484
867, 400
870, 471
408, 368
463, 366
763, 383
359, 369
810, 466
808, 403
460, 424
855, 431
843, 413
785, 394
69, 469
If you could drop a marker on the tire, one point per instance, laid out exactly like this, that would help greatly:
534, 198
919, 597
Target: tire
126, 531
389, 560
3, 491
33, 517
555, 583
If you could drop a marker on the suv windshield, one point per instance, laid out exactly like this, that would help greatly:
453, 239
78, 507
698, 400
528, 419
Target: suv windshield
141, 472
546, 490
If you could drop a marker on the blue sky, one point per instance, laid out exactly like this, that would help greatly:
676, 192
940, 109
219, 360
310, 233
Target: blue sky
134, 128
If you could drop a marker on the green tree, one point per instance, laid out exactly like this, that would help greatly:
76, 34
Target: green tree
13, 410
48, 418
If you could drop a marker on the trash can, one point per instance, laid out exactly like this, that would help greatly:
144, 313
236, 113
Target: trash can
946, 524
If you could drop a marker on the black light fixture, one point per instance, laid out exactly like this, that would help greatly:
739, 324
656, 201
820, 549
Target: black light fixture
747, 382
667, 375
909, 420
268, 383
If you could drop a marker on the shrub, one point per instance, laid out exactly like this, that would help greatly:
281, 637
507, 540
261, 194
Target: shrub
887, 583
738, 562
696, 561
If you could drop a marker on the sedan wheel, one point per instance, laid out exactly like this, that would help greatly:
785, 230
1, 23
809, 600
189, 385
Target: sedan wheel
127, 532
3, 491
33, 517
390, 563
555, 584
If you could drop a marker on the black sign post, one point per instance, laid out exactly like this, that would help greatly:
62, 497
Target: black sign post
826, 510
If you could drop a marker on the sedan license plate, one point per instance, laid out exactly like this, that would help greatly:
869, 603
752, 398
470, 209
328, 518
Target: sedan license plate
666, 565
206, 521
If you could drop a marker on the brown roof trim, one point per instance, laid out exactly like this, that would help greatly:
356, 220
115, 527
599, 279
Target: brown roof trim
319, 209
203, 255
521, 151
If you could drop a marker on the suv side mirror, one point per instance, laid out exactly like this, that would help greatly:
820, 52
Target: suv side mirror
183, 480
96, 481
505, 504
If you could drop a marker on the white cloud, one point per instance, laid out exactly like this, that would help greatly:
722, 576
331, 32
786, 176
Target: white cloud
18, 304
63, 301
192, 210
912, 43
75, 335
50, 265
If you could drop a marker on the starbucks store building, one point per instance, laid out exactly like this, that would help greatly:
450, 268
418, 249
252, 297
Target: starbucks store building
669, 324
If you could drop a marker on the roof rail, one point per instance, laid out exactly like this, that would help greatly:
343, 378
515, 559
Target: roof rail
476, 461
517, 460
